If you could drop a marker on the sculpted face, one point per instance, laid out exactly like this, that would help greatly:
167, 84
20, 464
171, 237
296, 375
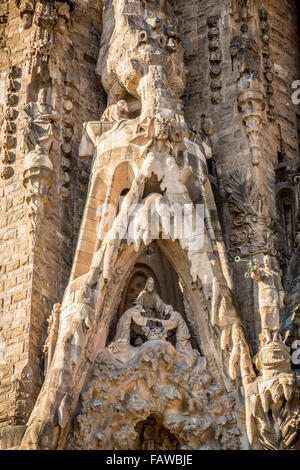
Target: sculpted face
42, 96
149, 287
168, 310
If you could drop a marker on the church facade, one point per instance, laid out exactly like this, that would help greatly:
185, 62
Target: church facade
150, 225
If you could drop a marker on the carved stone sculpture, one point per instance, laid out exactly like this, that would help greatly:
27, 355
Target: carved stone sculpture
246, 62
156, 320
225, 317
183, 336
50, 343
38, 126
272, 399
143, 138
150, 300
38, 168
245, 52
253, 227
271, 298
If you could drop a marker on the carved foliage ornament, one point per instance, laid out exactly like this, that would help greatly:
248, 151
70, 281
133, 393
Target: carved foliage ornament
253, 229
49, 17
38, 168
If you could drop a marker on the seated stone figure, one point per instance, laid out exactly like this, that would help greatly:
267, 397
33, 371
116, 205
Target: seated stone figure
39, 117
156, 320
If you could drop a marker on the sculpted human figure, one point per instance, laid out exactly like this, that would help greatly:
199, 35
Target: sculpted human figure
225, 317
272, 297
145, 63
148, 304
39, 119
176, 322
150, 300
116, 112
124, 325
246, 52
224, 314
53, 324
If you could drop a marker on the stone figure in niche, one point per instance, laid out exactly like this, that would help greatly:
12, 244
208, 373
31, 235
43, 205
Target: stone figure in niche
39, 118
272, 297
156, 320
175, 322
246, 53
150, 300
123, 331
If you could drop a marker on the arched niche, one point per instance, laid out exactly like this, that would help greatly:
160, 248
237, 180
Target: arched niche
152, 435
153, 262
121, 182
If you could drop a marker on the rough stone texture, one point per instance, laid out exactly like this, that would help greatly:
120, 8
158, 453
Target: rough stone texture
30, 283
242, 129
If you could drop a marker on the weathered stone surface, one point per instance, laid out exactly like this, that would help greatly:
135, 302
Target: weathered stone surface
191, 104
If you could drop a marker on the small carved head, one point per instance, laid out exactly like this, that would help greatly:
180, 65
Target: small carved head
168, 310
138, 342
122, 107
42, 96
244, 28
150, 285
138, 308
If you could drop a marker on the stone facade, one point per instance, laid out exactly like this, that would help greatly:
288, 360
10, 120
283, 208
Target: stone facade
168, 105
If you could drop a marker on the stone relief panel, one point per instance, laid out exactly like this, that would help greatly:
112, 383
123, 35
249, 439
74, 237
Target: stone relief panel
157, 380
